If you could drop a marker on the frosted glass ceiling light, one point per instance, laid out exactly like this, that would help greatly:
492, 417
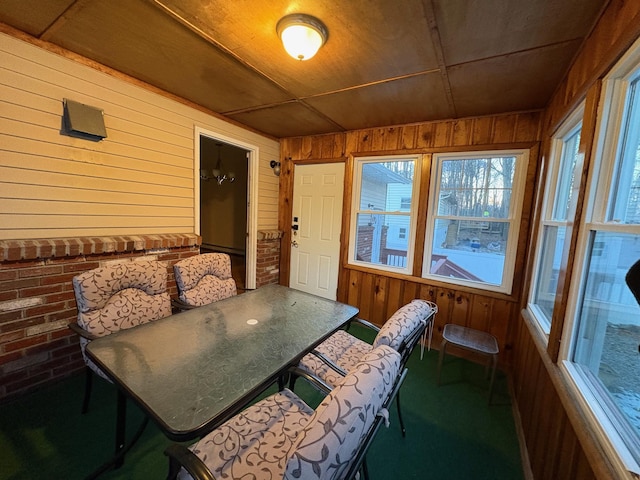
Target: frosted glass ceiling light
302, 35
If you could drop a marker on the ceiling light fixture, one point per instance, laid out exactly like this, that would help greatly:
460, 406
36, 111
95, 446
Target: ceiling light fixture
217, 172
302, 35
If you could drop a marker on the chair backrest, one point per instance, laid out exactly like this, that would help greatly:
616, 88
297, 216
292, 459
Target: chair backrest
338, 432
404, 328
204, 278
121, 295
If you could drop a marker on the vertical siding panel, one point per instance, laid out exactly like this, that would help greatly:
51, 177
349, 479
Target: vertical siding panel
460, 312
426, 135
391, 138
504, 127
408, 137
353, 298
480, 312
443, 134
395, 295
379, 300
462, 131
481, 134
365, 300
499, 321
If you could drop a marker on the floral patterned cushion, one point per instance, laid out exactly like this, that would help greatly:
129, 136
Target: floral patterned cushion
345, 350
204, 278
120, 296
404, 322
255, 443
329, 442
281, 437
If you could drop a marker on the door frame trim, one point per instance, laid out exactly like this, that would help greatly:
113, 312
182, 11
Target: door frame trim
253, 155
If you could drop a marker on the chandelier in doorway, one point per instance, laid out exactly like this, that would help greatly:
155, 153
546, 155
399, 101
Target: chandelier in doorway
217, 173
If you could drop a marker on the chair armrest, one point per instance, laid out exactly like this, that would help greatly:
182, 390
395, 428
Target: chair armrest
366, 324
180, 306
312, 379
328, 362
82, 332
181, 456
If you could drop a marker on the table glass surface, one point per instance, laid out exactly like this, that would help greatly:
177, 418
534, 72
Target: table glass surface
192, 370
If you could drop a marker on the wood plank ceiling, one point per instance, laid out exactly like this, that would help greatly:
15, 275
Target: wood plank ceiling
385, 62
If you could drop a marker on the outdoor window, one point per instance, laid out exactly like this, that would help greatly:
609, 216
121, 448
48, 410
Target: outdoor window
383, 212
474, 216
554, 219
602, 356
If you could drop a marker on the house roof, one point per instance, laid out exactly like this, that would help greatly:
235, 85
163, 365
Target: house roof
385, 63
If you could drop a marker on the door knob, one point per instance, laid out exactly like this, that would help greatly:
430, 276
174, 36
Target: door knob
294, 244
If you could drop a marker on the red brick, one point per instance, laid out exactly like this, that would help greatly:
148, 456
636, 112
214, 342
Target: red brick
8, 295
40, 271
7, 317
80, 267
18, 284
25, 343
58, 279
11, 336
7, 358
8, 275
41, 310
40, 291
59, 297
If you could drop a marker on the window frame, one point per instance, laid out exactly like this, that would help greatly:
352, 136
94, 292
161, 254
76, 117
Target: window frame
522, 156
358, 162
612, 112
568, 129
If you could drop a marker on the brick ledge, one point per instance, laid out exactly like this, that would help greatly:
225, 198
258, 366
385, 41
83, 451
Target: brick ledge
269, 234
15, 250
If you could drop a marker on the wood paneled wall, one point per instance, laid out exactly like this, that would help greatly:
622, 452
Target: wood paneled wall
560, 443
378, 294
138, 180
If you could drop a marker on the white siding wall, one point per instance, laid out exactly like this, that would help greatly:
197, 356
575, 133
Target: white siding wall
138, 180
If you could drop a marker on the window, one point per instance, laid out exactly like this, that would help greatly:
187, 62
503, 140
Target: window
602, 356
383, 212
554, 218
474, 216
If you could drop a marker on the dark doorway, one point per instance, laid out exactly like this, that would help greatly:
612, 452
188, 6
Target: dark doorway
223, 202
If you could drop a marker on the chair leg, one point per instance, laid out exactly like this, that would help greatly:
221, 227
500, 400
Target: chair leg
292, 381
443, 347
404, 430
121, 418
365, 469
88, 383
494, 362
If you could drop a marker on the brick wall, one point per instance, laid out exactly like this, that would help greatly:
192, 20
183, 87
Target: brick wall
268, 257
37, 301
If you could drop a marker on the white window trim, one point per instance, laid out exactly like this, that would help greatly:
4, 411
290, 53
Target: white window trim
610, 112
546, 217
413, 214
515, 214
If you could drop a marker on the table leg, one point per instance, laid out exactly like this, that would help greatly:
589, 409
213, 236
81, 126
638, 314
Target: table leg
120, 428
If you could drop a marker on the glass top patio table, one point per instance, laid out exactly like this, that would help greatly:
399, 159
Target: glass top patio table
194, 370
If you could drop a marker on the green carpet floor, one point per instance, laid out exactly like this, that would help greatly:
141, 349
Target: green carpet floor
451, 431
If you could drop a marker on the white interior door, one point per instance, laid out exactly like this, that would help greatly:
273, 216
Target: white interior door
316, 223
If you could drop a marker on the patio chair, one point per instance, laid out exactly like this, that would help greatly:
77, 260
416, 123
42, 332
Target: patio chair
281, 437
117, 297
337, 355
203, 279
